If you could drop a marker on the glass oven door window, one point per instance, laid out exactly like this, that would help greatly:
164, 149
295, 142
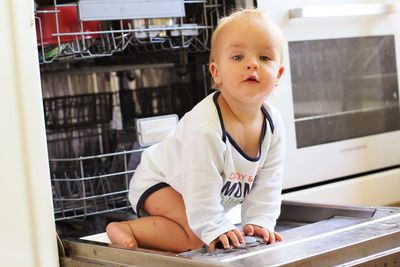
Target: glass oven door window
344, 88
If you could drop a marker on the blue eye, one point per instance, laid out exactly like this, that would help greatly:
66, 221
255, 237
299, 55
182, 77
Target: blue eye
237, 57
265, 58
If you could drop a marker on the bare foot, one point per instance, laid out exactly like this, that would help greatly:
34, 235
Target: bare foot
120, 233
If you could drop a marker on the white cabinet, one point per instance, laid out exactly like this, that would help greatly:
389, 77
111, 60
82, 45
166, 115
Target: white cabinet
375, 189
27, 229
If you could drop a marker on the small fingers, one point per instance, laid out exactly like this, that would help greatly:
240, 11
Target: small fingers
262, 232
211, 247
224, 240
239, 235
274, 237
235, 237
269, 236
234, 240
248, 229
278, 237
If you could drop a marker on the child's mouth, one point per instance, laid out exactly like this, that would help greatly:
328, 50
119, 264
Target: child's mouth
252, 78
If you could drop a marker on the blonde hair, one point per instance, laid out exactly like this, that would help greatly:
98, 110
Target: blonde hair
238, 15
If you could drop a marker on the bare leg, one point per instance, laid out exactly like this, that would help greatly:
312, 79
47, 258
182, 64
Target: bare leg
165, 229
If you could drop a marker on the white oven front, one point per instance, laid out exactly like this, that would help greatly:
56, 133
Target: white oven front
339, 95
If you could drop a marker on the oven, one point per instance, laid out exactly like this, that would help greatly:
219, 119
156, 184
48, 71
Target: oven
340, 92
75, 137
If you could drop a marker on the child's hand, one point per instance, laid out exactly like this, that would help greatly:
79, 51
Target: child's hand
268, 236
233, 237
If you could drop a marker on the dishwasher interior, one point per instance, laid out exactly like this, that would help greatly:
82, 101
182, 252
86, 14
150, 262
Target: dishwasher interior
99, 75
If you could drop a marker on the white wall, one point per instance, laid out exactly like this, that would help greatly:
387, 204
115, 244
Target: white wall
27, 229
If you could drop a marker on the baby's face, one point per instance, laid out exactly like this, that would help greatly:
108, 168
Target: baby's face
247, 59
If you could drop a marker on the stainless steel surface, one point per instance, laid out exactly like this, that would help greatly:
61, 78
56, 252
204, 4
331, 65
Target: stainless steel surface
332, 248
128, 9
315, 235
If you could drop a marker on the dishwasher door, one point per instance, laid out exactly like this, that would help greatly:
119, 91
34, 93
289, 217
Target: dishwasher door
317, 235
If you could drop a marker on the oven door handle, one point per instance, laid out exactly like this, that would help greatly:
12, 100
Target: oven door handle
329, 11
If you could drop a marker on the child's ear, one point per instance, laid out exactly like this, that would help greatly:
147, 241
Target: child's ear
280, 72
214, 73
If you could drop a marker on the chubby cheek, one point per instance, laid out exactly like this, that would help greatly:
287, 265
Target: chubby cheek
230, 79
271, 86
217, 79
223, 75
273, 76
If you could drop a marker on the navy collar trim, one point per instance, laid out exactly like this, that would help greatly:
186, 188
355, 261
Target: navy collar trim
225, 134
215, 99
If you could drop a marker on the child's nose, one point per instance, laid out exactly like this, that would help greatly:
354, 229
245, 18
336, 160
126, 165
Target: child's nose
252, 64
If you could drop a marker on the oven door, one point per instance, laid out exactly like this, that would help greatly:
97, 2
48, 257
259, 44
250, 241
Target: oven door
339, 95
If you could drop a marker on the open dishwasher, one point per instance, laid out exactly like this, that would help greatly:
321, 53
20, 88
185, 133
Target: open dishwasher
314, 234
103, 76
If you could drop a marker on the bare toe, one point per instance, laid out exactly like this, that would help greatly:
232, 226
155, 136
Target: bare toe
132, 244
121, 234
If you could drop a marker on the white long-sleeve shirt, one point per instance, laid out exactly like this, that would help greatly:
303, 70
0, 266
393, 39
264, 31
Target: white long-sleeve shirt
203, 163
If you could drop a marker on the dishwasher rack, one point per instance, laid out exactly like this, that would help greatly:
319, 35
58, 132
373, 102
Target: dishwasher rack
93, 184
90, 39
82, 125
78, 110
